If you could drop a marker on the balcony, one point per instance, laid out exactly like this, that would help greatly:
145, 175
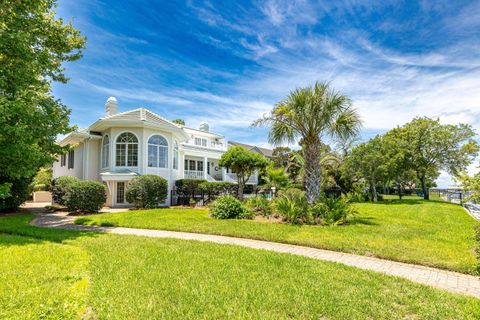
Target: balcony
227, 177
193, 174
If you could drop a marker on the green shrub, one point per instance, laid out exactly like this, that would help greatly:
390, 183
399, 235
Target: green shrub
187, 186
148, 191
221, 187
42, 180
229, 207
359, 196
292, 205
39, 187
61, 185
259, 206
17, 194
85, 196
333, 211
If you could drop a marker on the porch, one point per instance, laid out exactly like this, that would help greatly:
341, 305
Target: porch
195, 168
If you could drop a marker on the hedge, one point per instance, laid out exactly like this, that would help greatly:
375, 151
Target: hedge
85, 196
147, 191
222, 187
60, 187
187, 186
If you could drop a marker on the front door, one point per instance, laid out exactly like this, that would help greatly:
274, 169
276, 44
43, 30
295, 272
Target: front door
120, 197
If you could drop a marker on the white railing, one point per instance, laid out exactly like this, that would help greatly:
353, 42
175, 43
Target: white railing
232, 177
211, 179
193, 174
209, 145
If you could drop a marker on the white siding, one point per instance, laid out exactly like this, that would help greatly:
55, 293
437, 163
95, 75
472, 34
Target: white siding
77, 170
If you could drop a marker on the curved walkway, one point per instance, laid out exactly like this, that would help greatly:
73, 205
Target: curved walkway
448, 280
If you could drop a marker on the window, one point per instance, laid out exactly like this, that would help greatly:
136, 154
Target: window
157, 152
63, 160
199, 165
105, 152
127, 150
175, 155
71, 159
201, 142
192, 165
120, 192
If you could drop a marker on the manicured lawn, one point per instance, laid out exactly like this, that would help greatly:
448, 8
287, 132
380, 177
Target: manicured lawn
53, 274
431, 233
40, 279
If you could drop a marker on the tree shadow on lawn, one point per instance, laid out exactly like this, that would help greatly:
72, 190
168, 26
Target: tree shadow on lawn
413, 202
18, 225
369, 221
403, 201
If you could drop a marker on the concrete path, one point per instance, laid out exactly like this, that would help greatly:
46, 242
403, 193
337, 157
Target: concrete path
448, 280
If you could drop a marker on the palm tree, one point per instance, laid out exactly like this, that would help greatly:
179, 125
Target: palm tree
308, 115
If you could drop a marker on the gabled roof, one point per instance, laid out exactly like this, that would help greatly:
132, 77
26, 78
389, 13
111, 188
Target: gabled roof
140, 116
78, 136
264, 151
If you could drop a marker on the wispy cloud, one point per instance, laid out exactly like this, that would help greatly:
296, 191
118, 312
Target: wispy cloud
229, 62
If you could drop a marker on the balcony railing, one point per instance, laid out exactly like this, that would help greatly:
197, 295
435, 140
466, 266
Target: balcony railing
232, 177
193, 174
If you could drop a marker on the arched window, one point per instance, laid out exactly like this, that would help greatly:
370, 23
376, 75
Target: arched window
157, 152
127, 150
175, 155
105, 152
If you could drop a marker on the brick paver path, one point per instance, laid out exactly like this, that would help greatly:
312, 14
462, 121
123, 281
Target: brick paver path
451, 281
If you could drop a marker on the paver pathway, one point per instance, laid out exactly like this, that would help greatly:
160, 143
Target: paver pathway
452, 281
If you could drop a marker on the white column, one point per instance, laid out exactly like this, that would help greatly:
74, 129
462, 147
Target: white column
205, 163
224, 173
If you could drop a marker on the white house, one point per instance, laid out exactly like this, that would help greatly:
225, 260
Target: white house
120, 146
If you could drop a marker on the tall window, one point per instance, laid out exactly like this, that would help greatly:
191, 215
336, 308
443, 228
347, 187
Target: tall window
105, 152
71, 159
175, 155
120, 192
157, 152
63, 160
127, 150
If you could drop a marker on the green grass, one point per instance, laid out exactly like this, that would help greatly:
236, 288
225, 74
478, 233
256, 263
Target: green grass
54, 274
430, 233
40, 279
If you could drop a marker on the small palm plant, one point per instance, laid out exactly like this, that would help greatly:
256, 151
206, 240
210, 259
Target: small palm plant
333, 211
293, 207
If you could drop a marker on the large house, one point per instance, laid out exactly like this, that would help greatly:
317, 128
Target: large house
122, 145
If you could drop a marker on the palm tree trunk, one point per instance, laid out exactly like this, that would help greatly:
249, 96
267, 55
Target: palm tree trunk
312, 171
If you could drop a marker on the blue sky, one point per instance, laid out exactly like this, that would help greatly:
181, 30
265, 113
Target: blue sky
228, 62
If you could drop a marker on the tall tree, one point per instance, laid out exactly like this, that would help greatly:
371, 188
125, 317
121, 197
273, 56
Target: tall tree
179, 121
243, 163
470, 184
369, 162
398, 169
309, 115
34, 43
431, 146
